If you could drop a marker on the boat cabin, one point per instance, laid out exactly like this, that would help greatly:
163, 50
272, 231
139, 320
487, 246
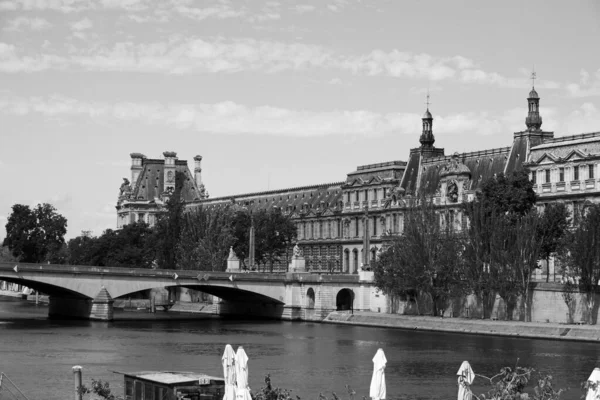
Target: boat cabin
166, 385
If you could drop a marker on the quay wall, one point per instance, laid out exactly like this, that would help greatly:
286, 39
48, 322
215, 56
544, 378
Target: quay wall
546, 304
537, 330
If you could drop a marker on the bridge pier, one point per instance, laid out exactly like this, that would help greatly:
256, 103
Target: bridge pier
100, 308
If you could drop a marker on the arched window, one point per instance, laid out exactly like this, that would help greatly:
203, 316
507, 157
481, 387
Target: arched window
310, 298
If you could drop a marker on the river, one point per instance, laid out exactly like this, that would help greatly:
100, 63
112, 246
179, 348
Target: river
37, 354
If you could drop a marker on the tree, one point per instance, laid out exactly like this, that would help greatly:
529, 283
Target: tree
274, 234
553, 225
584, 256
207, 235
130, 246
482, 237
168, 228
512, 194
35, 235
425, 259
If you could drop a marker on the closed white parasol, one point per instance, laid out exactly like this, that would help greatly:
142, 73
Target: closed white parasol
594, 393
377, 391
465, 379
241, 375
228, 361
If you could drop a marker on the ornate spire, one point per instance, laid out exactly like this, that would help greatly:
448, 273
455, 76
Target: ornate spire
427, 138
533, 120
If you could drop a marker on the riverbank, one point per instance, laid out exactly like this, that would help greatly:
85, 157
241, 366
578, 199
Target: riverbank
534, 330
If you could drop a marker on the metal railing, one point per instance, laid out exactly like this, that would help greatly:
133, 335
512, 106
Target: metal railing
8, 390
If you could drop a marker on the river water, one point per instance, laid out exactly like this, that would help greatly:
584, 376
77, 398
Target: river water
37, 354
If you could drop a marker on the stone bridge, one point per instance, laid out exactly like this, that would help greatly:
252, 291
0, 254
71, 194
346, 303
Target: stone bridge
89, 292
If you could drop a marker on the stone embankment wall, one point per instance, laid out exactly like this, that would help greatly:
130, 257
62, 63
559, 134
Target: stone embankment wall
547, 304
588, 333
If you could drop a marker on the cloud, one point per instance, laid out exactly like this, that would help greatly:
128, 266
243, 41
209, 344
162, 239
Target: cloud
588, 85
82, 25
304, 8
230, 118
219, 55
584, 119
24, 23
119, 164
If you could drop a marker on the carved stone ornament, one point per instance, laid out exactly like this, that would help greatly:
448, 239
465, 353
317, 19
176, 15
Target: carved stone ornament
452, 192
297, 251
170, 176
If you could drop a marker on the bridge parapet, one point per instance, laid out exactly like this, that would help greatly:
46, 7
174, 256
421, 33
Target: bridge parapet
285, 295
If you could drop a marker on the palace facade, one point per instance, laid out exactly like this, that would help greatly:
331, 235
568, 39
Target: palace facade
342, 225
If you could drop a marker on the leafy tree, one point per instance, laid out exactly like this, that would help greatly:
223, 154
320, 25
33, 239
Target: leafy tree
553, 225
206, 238
516, 259
274, 234
167, 231
130, 246
584, 256
426, 258
35, 235
482, 237
512, 194
242, 221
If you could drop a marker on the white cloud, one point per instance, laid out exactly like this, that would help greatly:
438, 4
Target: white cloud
23, 23
584, 119
588, 86
227, 118
304, 8
82, 25
219, 55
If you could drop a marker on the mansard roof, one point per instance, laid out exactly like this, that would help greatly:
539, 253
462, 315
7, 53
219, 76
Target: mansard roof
150, 182
304, 199
482, 165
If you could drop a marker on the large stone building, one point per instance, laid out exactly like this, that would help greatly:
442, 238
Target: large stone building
332, 218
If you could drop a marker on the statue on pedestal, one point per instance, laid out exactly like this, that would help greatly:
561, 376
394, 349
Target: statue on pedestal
297, 251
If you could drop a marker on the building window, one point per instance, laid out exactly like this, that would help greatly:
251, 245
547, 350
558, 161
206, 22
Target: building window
561, 174
534, 177
356, 196
576, 173
339, 228
591, 171
356, 226
374, 226
321, 235
375, 194
394, 223
547, 176
366, 194
348, 197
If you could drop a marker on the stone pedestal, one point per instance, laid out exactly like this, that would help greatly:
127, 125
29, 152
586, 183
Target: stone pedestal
298, 264
233, 262
368, 276
102, 306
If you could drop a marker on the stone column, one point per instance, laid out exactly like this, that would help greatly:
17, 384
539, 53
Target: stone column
102, 306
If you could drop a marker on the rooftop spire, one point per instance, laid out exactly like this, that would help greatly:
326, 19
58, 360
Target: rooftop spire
427, 138
533, 120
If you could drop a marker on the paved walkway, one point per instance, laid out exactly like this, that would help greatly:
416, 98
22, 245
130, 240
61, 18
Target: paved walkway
589, 333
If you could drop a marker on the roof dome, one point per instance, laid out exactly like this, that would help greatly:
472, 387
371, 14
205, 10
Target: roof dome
533, 94
427, 114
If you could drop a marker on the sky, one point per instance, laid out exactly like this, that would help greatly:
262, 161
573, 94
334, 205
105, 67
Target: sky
272, 94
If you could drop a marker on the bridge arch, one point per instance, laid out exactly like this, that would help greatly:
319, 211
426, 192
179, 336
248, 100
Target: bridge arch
310, 298
46, 288
344, 300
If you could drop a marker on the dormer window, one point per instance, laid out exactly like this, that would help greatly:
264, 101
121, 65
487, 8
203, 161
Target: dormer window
576, 173
591, 171
547, 176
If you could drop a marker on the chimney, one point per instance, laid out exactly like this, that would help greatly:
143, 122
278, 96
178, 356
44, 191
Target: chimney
136, 167
169, 177
198, 170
